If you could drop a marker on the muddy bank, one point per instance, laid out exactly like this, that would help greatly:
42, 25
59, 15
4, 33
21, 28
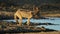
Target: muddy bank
24, 29
12, 27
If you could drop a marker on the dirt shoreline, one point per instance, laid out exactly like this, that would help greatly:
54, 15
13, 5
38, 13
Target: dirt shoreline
41, 33
37, 33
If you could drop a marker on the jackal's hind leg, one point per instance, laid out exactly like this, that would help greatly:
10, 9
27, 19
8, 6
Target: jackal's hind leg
15, 17
20, 23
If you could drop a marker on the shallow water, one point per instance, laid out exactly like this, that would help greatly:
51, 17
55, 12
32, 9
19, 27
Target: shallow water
50, 20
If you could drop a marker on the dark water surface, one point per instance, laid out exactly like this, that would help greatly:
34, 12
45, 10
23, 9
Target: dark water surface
50, 20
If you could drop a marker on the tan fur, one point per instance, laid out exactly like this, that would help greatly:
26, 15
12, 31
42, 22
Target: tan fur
23, 13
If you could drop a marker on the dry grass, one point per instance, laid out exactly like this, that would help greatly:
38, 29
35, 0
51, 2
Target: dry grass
6, 13
51, 15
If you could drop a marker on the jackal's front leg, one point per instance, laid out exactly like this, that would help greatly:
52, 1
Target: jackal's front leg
20, 23
28, 22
